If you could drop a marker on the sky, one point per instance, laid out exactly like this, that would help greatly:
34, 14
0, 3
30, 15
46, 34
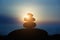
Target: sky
43, 11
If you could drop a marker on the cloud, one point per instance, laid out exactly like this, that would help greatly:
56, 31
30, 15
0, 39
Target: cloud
8, 20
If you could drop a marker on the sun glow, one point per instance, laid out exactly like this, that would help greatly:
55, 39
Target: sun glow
28, 9
26, 16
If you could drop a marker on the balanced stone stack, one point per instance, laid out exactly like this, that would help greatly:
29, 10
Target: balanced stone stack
29, 22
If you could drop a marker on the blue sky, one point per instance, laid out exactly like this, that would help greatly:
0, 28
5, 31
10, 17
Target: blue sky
46, 10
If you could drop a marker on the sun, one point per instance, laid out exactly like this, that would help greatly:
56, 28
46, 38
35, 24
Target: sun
22, 13
26, 16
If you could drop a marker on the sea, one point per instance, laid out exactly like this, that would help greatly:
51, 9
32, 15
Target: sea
52, 29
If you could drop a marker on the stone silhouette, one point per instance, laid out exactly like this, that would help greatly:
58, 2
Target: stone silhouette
29, 24
31, 19
29, 32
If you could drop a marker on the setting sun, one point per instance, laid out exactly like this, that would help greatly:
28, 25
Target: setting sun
25, 9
